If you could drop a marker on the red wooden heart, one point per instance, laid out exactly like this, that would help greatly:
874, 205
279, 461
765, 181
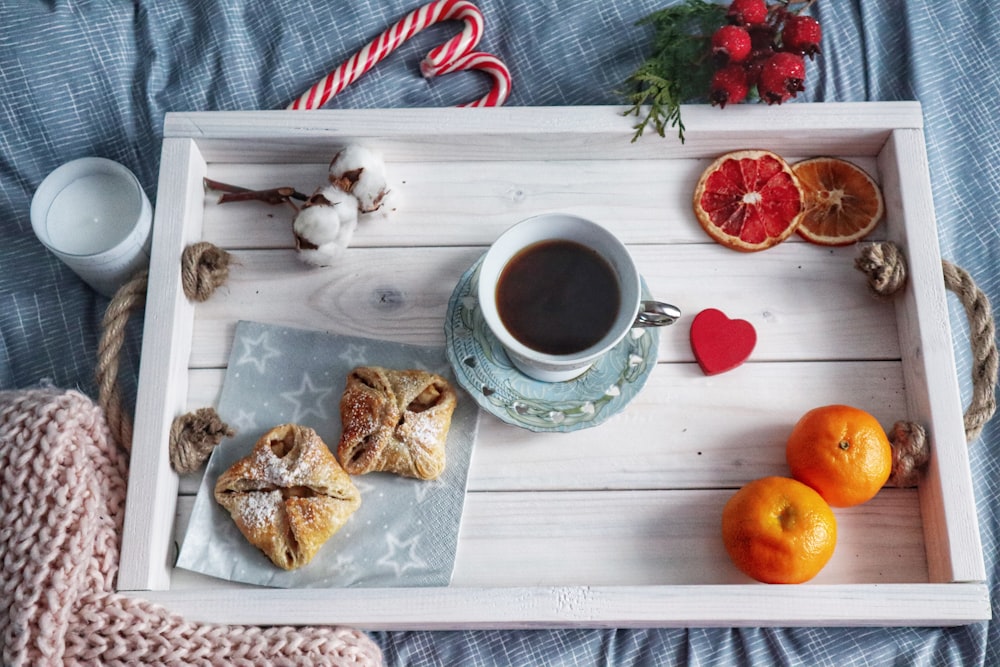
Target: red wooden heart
719, 343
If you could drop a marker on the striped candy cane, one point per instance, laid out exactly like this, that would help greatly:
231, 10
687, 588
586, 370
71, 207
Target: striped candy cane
457, 46
440, 60
492, 66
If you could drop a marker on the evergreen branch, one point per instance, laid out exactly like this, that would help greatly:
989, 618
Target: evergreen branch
679, 68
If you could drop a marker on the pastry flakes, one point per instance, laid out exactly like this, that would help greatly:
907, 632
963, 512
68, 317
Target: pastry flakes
289, 495
395, 421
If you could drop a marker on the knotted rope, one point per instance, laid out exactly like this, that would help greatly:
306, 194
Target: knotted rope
130, 296
885, 266
193, 436
982, 332
204, 267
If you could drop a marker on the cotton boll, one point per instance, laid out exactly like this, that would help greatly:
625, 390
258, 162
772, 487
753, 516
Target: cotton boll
324, 217
360, 171
325, 255
324, 226
390, 203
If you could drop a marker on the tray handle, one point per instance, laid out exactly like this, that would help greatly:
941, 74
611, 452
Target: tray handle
885, 266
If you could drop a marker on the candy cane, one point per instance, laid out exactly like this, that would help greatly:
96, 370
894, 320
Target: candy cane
492, 66
458, 45
440, 60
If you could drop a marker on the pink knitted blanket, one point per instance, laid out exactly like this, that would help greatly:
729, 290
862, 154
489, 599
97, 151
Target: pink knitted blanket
62, 497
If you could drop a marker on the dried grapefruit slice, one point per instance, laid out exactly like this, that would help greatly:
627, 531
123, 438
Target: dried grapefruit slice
748, 200
842, 202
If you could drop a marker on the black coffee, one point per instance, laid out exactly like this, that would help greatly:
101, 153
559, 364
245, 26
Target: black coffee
558, 297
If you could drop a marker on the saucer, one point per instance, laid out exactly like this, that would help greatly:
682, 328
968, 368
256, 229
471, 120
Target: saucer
483, 369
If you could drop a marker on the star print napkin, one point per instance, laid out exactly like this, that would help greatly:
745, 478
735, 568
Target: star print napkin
406, 530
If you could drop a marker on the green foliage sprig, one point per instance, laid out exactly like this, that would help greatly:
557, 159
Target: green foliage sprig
679, 69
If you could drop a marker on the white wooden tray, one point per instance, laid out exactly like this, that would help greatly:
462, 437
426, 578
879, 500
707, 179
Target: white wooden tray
617, 525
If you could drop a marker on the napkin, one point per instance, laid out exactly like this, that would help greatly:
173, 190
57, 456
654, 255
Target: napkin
406, 530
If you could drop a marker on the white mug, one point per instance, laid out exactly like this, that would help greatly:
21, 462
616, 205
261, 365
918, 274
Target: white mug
541, 344
93, 215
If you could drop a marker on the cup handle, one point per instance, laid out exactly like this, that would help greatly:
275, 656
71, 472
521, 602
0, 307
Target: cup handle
656, 314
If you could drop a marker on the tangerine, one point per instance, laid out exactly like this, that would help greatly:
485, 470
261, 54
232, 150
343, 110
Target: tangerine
840, 451
748, 200
843, 204
778, 530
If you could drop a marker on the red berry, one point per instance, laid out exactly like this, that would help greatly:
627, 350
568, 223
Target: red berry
761, 37
729, 86
730, 44
752, 68
781, 77
747, 12
801, 35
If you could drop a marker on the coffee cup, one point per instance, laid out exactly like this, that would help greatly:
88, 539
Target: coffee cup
559, 291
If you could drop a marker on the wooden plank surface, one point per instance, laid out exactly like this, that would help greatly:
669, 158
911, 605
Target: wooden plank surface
806, 303
525, 133
590, 606
646, 538
947, 497
635, 501
162, 391
449, 203
670, 436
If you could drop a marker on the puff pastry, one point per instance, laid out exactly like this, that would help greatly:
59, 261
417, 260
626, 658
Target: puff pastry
395, 421
289, 495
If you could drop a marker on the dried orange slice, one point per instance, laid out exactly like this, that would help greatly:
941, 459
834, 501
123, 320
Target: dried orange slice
748, 200
843, 204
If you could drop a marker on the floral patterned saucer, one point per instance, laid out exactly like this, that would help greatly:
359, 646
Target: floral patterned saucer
483, 369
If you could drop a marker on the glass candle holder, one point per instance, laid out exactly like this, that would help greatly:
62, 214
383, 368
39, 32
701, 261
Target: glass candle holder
93, 214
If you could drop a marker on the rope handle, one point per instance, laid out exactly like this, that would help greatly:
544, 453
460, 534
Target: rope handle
204, 267
885, 266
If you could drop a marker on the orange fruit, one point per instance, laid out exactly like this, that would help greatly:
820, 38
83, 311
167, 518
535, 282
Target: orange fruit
840, 451
778, 530
748, 200
843, 204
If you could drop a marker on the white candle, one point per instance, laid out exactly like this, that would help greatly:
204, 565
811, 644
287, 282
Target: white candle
94, 216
